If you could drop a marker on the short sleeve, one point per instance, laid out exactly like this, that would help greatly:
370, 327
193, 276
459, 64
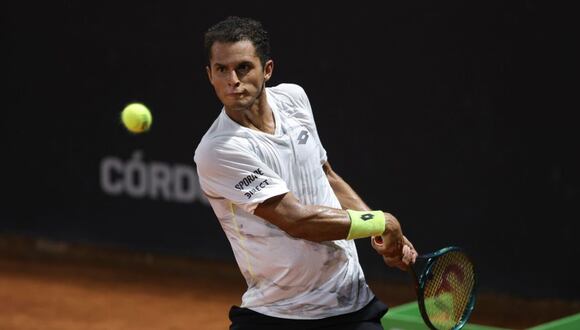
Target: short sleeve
232, 172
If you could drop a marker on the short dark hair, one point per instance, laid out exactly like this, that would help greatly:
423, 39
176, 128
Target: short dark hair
234, 29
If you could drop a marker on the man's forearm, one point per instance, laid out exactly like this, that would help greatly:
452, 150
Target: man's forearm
347, 197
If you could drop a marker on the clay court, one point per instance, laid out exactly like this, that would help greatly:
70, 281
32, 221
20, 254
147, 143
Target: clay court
50, 285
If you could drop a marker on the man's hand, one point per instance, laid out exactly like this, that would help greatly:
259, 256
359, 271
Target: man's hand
396, 249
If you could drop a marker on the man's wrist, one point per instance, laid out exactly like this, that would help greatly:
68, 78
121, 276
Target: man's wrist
366, 223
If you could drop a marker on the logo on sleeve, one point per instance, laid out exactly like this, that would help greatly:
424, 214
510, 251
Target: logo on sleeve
303, 137
248, 186
245, 182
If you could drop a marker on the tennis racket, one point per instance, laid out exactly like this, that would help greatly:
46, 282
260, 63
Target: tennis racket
445, 284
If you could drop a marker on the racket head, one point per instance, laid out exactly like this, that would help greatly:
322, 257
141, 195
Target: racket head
446, 288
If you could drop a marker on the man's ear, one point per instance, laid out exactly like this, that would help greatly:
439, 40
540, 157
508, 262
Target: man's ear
268, 70
208, 71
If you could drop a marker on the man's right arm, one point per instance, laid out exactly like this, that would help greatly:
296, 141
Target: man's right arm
310, 222
319, 223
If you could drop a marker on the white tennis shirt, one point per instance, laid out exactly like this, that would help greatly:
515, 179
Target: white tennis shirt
239, 168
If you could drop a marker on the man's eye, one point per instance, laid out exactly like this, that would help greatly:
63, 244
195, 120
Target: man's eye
244, 68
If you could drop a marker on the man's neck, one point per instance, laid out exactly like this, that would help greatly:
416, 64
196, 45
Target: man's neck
258, 117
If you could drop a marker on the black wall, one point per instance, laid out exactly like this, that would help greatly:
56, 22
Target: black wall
457, 117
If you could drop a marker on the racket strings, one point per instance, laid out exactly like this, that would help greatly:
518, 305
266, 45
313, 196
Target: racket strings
448, 290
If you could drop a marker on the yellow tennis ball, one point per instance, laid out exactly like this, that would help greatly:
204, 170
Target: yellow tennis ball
136, 117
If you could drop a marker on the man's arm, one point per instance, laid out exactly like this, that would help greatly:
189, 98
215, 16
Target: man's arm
320, 223
384, 245
347, 197
310, 222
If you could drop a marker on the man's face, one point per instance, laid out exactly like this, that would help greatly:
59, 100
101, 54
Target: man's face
236, 74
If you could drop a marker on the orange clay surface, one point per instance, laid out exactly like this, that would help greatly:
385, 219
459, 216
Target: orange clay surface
47, 285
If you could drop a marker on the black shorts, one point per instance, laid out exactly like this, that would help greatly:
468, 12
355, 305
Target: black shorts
367, 318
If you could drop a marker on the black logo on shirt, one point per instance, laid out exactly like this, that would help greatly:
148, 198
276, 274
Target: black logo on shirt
303, 137
245, 182
257, 188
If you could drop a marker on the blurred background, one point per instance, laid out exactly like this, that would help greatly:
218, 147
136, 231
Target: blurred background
457, 117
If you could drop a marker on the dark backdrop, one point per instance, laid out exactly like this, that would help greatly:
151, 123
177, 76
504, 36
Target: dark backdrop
455, 116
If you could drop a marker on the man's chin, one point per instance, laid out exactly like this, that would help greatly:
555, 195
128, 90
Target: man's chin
238, 105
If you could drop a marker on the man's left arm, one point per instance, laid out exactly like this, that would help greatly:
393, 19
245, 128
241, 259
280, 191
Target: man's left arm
349, 199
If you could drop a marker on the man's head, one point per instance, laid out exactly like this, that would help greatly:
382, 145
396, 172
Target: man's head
239, 62
234, 29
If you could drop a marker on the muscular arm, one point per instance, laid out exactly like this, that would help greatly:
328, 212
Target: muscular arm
315, 222
386, 245
320, 223
310, 222
347, 197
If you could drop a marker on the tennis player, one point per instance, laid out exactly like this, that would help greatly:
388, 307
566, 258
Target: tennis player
290, 219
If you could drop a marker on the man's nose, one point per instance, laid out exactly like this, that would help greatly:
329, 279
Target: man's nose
233, 80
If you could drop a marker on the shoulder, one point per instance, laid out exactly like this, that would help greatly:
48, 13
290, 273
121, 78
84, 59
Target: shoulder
218, 148
288, 89
221, 142
289, 93
292, 100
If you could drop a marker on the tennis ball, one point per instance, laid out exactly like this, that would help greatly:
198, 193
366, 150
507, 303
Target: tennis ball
136, 117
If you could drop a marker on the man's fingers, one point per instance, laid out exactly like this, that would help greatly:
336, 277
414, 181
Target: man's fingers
395, 262
409, 255
396, 249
